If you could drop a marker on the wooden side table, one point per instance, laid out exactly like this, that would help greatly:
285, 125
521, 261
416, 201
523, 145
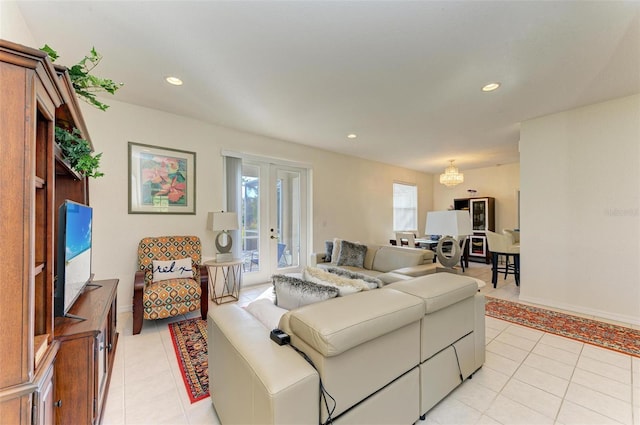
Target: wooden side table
231, 280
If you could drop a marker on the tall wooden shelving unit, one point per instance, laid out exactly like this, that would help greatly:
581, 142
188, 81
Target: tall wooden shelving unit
29, 97
35, 96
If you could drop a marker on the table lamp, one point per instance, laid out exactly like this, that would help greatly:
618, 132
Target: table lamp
222, 222
451, 225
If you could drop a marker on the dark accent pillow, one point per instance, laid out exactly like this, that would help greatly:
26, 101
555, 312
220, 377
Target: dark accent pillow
328, 249
292, 292
351, 254
372, 282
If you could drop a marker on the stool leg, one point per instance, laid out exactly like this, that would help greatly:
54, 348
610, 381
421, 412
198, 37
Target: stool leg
506, 266
494, 268
516, 260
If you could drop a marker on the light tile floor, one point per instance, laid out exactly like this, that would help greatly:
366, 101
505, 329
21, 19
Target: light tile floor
530, 377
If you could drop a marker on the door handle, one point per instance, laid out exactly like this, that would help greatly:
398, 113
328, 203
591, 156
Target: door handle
273, 237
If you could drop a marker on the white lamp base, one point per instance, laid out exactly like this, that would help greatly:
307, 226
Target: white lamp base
224, 257
456, 252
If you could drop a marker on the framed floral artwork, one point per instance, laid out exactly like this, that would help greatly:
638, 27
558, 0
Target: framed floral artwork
161, 180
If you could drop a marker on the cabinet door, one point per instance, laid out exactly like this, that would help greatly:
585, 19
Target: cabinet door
478, 246
478, 215
75, 386
44, 401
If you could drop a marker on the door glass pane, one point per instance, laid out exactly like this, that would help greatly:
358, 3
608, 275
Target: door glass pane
478, 214
288, 218
251, 217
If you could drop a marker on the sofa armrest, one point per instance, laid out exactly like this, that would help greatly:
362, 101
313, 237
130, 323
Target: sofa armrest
317, 258
415, 271
252, 380
479, 330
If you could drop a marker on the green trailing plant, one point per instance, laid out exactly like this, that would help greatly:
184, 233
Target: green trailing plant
78, 152
84, 83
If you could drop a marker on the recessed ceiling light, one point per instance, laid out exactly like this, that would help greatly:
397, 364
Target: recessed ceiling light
174, 80
351, 136
491, 87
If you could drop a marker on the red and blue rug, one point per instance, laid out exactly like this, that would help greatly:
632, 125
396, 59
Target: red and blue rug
190, 343
190, 337
618, 338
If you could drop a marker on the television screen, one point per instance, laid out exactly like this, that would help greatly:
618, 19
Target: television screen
74, 246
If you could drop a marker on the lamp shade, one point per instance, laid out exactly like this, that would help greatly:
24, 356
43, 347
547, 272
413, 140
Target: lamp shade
448, 223
222, 221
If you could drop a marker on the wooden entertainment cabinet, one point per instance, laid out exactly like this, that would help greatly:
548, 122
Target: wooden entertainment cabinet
87, 350
52, 370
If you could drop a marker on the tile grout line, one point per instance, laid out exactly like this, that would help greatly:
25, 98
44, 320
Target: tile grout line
566, 390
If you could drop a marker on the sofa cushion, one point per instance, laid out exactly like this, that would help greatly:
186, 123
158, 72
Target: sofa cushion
171, 297
438, 290
388, 258
330, 330
419, 270
292, 292
391, 277
351, 254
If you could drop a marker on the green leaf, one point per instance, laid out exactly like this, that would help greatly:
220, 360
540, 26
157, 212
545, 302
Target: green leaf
78, 152
53, 55
84, 83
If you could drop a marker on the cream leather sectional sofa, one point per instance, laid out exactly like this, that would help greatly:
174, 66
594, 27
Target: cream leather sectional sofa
385, 356
386, 262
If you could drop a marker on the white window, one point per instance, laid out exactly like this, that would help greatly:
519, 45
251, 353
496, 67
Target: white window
405, 207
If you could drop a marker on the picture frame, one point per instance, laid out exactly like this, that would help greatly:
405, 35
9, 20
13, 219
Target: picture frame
161, 180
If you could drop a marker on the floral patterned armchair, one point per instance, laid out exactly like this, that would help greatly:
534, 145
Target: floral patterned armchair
174, 296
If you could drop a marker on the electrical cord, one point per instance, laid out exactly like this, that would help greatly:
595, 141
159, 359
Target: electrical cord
323, 392
458, 362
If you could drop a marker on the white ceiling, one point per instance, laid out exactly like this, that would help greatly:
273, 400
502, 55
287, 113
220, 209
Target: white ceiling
405, 76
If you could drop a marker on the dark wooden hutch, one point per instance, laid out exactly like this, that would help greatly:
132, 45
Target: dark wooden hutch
482, 211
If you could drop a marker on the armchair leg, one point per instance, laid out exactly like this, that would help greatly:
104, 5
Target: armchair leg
137, 312
204, 292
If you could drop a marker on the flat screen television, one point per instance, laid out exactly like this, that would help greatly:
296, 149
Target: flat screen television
73, 255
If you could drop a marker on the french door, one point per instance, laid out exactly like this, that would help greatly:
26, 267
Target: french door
273, 219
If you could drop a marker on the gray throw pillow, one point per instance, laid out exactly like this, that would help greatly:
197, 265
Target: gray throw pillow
351, 254
292, 292
328, 250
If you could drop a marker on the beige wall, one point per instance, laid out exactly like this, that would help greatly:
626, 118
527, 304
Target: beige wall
12, 25
580, 217
352, 198
501, 182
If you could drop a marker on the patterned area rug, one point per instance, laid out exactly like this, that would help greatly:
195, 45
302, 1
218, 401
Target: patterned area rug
618, 338
190, 342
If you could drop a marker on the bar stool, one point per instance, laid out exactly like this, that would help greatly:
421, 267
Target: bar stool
503, 245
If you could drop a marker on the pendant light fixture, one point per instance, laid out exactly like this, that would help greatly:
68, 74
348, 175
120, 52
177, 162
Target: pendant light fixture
451, 177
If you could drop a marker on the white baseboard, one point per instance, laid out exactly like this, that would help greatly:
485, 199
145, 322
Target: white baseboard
631, 320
